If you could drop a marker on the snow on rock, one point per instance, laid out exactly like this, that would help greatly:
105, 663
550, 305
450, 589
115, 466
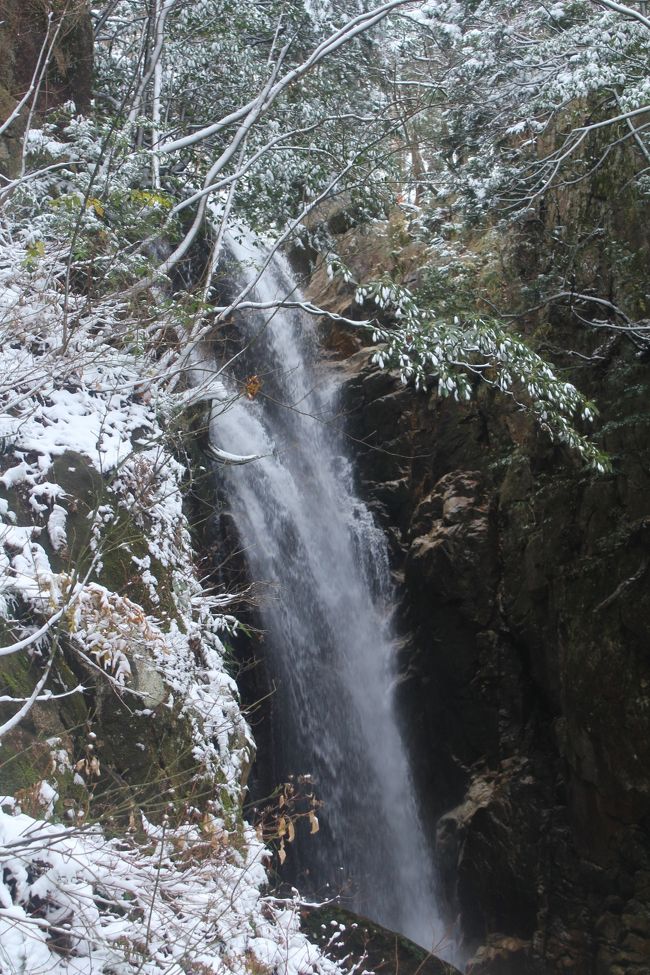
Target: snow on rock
88, 398
56, 527
183, 894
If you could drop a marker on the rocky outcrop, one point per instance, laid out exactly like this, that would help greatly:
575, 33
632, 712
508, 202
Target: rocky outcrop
524, 614
356, 942
55, 740
524, 663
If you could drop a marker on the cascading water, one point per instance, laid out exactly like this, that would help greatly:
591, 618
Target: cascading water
326, 619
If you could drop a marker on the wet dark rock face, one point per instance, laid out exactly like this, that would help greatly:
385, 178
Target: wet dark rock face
354, 941
525, 662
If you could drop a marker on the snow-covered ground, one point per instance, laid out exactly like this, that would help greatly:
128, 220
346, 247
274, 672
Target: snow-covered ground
74, 901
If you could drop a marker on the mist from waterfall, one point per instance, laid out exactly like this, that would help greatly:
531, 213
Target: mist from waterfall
326, 616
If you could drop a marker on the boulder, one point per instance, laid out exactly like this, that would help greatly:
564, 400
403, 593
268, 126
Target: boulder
357, 943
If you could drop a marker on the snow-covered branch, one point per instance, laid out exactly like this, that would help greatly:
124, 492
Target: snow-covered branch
352, 29
23, 711
621, 8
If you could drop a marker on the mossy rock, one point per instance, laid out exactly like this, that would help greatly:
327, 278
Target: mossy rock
85, 490
358, 938
27, 760
123, 539
26, 751
145, 748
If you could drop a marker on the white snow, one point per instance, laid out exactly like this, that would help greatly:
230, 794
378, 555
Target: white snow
74, 902
56, 527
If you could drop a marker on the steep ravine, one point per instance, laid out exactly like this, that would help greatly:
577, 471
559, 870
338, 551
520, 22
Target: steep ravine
524, 661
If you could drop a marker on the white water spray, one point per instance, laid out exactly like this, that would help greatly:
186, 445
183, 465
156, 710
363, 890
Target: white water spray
327, 626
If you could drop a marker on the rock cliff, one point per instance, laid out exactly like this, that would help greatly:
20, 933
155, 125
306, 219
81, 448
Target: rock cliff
525, 614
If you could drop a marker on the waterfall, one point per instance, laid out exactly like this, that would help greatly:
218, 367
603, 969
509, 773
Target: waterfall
326, 615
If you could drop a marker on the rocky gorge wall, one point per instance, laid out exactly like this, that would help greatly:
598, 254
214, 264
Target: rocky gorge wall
523, 606
524, 611
525, 675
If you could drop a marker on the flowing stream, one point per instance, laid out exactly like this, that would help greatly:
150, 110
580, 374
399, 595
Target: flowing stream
326, 617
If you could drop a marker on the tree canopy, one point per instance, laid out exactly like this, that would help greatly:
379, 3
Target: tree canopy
210, 113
